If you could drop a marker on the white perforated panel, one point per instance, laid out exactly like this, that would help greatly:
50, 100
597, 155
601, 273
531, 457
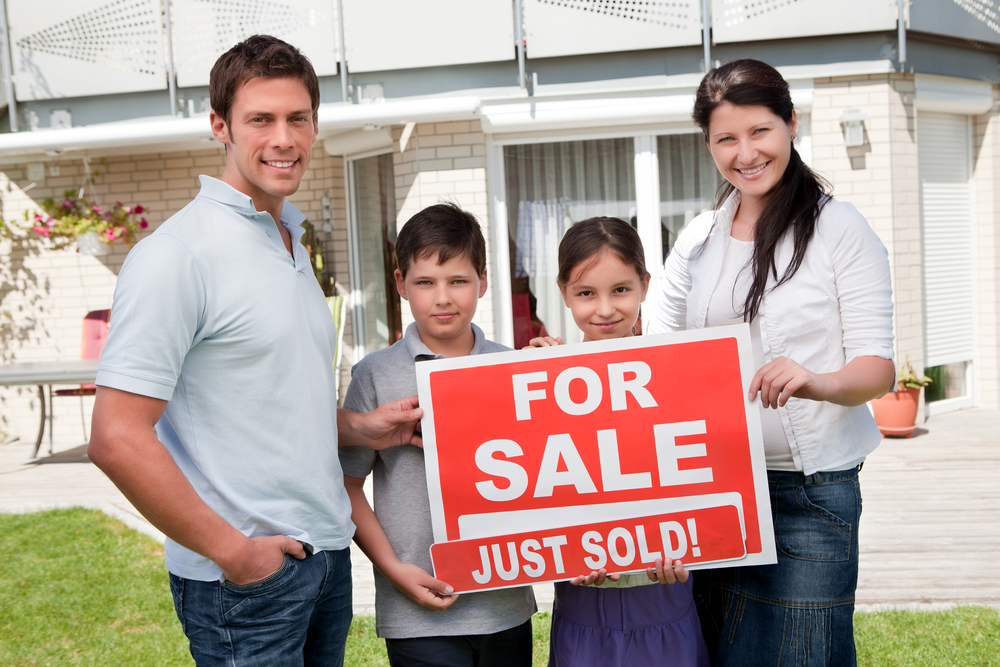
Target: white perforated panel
205, 29
965, 19
401, 34
985, 11
743, 20
571, 27
86, 47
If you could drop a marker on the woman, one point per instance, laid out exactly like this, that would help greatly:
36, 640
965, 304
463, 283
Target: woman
812, 279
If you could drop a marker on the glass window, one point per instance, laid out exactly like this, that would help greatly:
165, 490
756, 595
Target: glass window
380, 323
949, 381
549, 187
688, 182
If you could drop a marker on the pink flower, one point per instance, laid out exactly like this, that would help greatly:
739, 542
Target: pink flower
66, 205
44, 231
96, 209
38, 218
50, 223
110, 234
143, 224
137, 209
119, 204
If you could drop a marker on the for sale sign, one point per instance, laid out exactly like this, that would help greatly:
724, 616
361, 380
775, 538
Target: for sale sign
546, 464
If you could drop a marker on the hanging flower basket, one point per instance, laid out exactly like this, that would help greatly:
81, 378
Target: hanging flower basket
94, 228
89, 243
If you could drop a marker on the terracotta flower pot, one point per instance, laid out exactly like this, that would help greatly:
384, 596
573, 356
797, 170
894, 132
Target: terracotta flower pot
896, 413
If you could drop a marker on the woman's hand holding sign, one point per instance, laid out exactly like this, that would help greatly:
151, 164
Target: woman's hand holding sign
861, 380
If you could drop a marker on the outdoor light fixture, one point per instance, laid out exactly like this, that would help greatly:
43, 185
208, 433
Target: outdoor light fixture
853, 121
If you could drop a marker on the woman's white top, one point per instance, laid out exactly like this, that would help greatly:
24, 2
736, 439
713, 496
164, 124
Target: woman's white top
726, 307
837, 307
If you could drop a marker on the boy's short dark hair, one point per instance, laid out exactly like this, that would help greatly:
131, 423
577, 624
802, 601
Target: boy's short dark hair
445, 230
258, 56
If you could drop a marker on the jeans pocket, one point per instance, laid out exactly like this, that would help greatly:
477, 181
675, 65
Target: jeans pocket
177, 593
263, 584
810, 523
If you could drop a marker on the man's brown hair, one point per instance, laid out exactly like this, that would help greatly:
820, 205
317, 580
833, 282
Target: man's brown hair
258, 56
445, 230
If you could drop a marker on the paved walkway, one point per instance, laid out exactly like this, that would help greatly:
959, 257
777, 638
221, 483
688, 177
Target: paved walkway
930, 534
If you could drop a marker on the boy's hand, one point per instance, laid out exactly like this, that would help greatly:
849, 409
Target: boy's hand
595, 578
543, 341
421, 587
668, 573
388, 425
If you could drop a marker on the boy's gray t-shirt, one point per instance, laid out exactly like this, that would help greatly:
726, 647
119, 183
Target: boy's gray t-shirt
403, 509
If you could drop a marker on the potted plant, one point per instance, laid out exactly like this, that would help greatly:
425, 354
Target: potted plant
896, 412
94, 228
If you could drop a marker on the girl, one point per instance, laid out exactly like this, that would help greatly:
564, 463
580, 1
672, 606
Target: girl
812, 279
598, 619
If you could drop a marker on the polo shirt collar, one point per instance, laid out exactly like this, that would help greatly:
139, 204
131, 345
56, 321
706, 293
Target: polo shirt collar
222, 192
421, 352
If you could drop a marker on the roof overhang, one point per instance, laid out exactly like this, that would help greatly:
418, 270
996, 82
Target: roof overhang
170, 133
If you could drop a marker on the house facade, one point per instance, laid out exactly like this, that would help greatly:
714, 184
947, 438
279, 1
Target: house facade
532, 114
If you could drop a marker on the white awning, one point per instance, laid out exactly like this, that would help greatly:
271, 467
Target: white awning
170, 130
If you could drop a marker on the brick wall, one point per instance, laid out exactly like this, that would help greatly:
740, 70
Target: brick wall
44, 294
881, 180
445, 162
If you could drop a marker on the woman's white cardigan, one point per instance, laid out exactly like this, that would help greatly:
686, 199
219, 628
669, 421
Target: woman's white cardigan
837, 306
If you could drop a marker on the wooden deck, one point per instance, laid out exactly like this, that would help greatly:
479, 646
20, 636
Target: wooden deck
930, 533
930, 530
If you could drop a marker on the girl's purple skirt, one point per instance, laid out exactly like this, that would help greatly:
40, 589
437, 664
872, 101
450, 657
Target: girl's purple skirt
608, 627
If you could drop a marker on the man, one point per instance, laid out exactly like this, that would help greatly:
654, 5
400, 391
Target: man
221, 338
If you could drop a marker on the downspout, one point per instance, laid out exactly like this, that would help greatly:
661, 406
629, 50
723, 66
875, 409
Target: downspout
902, 33
522, 81
343, 50
171, 73
8, 73
706, 35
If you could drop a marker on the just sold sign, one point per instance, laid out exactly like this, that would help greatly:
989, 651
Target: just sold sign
546, 464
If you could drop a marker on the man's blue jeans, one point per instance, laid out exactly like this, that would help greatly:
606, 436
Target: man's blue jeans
298, 616
800, 611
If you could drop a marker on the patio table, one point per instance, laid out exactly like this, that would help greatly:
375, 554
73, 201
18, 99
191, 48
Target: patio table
48, 373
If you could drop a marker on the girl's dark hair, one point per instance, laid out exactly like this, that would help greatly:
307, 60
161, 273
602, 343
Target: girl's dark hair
588, 238
796, 200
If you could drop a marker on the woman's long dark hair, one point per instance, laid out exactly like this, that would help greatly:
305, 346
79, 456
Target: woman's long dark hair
797, 199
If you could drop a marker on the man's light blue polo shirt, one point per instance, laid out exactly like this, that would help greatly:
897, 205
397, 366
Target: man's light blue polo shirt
212, 314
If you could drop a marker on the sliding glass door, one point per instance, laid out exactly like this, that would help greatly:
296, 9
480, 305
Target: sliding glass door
657, 183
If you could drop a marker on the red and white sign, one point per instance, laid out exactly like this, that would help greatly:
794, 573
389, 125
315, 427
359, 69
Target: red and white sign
546, 464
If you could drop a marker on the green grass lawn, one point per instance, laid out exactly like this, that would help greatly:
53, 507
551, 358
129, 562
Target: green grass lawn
79, 588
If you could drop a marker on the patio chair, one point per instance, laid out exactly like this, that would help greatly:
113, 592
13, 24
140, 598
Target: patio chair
95, 333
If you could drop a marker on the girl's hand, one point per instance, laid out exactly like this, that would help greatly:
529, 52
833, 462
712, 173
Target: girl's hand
668, 573
782, 379
594, 578
543, 341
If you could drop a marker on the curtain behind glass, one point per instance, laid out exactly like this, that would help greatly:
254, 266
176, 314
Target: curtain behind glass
376, 208
549, 187
688, 182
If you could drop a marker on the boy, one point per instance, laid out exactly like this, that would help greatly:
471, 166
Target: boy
441, 256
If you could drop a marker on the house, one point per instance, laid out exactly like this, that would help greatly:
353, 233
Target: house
530, 113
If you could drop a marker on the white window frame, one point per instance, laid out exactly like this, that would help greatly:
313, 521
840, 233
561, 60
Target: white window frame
970, 400
647, 195
357, 301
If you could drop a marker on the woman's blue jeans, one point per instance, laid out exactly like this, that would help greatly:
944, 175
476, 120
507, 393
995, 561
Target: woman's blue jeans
300, 615
800, 611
